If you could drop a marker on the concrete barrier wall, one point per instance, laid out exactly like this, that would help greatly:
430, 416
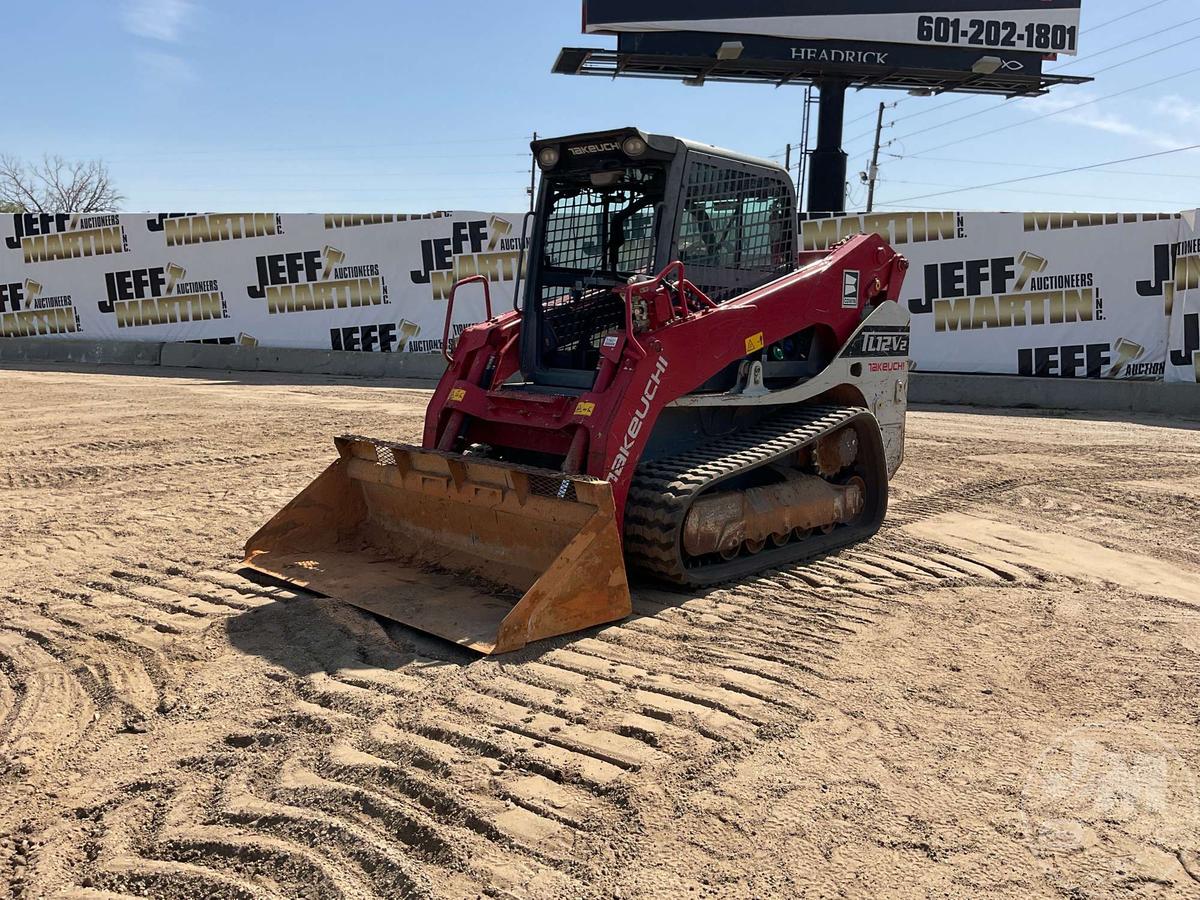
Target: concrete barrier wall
303, 362
1012, 392
110, 353
1003, 391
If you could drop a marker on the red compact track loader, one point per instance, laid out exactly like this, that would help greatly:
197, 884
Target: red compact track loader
682, 394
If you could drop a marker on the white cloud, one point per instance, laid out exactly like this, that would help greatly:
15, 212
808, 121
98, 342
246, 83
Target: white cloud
1178, 109
160, 20
1097, 118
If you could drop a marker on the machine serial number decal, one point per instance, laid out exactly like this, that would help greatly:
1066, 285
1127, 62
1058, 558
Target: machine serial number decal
458, 395
879, 342
585, 409
755, 342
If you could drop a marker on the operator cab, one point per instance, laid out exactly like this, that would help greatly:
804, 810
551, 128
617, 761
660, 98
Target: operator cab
622, 204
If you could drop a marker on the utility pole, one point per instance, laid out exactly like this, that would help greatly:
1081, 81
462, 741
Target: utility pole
533, 175
873, 172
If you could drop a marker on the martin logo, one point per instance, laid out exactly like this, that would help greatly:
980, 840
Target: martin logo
315, 280
897, 230
47, 238
181, 229
160, 296
1006, 292
333, 221
24, 312
850, 290
879, 341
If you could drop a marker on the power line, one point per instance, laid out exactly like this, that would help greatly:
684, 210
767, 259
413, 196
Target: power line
1041, 192
1123, 17
1057, 112
1074, 62
1016, 165
1129, 62
1121, 46
1115, 162
1097, 100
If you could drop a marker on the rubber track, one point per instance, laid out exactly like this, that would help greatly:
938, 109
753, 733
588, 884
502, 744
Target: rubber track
663, 491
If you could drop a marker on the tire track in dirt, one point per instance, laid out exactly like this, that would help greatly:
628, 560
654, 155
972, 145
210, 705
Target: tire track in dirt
67, 476
254, 741
497, 777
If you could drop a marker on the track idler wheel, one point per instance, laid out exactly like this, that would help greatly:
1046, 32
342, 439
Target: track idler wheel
731, 522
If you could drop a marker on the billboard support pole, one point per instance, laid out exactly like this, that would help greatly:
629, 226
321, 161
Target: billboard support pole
828, 163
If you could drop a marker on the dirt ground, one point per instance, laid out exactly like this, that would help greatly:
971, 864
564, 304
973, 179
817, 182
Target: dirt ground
996, 697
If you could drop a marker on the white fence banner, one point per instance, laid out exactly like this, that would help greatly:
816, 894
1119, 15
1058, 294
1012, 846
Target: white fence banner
1040, 294
362, 283
1044, 294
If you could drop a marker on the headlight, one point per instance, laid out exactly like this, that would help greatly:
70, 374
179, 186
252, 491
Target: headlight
634, 146
548, 157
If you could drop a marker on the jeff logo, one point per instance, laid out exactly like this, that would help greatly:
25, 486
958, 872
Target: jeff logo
46, 238
181, 229
481, 247
316, 280
1005, 292
850, 280
1176, 268
1124, 360
25, 312
1189, 353
388, 337
160, 296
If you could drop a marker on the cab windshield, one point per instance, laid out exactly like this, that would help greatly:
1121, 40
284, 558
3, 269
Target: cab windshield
604, 223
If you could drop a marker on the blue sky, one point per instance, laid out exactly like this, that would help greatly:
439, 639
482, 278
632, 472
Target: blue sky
406, 106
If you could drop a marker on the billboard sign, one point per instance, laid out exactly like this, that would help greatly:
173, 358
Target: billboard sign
1022, 26
785, 53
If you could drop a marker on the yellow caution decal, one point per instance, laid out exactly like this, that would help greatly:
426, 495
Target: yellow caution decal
458, 395
755, 343
585, 409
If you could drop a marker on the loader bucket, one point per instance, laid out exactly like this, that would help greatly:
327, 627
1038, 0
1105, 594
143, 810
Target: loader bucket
485, 554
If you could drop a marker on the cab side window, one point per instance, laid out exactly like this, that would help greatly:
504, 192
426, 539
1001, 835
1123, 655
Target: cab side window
737, 222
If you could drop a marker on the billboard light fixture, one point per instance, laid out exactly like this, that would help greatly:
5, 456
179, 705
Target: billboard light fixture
987, 65
731, 50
